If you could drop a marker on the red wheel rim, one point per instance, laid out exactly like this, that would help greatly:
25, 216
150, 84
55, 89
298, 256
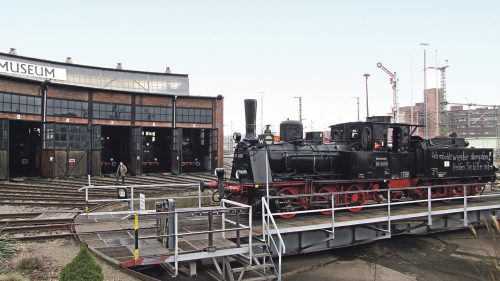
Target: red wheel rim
355, 199
328, 189
289, 191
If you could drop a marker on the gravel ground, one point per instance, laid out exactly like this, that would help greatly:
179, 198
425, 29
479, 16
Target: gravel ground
5, 209
55, 254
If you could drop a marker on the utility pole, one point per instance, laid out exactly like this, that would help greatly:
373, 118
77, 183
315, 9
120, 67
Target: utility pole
366, 75
498, 130
357, 102
261, 110
394, 82
300, 108
426, 114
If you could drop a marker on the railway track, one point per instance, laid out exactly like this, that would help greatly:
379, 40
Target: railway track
64, 202
31, 226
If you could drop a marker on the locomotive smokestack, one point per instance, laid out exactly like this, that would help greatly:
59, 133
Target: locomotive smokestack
250, 117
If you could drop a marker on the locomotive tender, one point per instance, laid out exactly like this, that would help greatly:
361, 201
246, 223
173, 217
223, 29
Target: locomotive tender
371, 155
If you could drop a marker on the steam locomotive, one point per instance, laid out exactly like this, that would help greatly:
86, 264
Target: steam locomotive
371, 155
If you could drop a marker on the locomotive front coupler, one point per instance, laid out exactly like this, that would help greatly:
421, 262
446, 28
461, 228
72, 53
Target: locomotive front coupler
224, 189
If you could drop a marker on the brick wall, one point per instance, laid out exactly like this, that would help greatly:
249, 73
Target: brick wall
112, 97
193, 102
68, 93
153, 101
18, 116
66, 120
20, 87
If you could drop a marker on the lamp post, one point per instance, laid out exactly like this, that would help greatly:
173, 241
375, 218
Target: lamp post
261, 111
426, 113
366, 75
357, 103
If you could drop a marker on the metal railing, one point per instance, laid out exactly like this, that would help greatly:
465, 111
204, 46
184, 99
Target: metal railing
267, 218
131, 195
236, 208
226, 209
238, 224
428, 200
230, 207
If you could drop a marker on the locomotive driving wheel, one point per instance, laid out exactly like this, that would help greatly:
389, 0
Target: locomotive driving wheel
453, 191
288, 204
355, 198
326, 200
422, 194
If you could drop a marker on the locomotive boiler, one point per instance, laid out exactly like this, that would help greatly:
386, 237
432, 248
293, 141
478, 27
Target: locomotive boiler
372, 155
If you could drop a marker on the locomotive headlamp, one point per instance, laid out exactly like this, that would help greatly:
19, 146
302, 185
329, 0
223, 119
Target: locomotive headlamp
202, 186
219, 172
241, 175
121, 192
237, 137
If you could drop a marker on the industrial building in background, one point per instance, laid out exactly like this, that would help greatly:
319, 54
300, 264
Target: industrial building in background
479, 124
60, 119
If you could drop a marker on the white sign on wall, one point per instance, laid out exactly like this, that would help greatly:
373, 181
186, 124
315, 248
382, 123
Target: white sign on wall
39, 71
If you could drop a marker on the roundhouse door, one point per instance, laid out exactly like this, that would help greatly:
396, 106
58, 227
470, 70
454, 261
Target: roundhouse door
4, 149
96, 150
135, 151
214, 148
176, 151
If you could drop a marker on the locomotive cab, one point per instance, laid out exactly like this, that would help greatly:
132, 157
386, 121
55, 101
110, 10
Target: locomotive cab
376, 149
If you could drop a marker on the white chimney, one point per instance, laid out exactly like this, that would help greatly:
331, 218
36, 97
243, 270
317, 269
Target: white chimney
69, 60
13, 51
119, 65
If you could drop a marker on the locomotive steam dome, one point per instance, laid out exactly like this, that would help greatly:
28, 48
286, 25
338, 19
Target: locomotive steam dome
291, 130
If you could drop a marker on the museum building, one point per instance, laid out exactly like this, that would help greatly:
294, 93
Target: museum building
60, 119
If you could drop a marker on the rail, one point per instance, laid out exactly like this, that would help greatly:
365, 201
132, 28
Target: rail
267, 217
426, 200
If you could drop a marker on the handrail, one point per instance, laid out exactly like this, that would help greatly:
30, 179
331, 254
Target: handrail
428, 199
380, 190
238, 224
133, 198
174, 215
266, 212
136, 185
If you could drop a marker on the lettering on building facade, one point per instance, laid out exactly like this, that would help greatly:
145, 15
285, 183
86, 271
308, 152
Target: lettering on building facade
39, 71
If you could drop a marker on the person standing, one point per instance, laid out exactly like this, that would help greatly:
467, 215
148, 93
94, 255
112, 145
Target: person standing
120, 172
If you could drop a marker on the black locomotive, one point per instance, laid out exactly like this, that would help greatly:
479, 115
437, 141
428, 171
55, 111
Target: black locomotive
371, 155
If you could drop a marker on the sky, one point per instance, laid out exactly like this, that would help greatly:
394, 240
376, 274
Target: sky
274, 51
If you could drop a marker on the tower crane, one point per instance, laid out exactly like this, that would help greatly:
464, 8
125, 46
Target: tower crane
442, 112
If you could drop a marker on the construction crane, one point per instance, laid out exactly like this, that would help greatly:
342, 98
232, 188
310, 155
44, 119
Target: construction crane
442, 112
300, 108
